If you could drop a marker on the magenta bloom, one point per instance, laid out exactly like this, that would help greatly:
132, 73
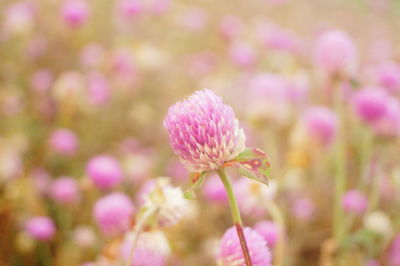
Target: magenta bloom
230, 252
214, 190
40, 228
113, 213
204, 132
335, 52
355, 202
394, 254
321, 124
371, 104
269, 230
388, 75
242, 54
130, 8
104, 171
75, 12
65, 190
64, 141
42, 80
303, 209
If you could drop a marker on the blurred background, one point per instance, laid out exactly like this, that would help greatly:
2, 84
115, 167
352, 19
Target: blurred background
314, 83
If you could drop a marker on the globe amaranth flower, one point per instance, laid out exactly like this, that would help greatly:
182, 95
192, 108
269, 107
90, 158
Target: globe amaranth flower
230, 252
204, 132
113, 213
169, 201
152, 249
41, 228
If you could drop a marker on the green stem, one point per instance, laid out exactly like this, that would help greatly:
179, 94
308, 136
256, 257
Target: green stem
237, 220
340, 177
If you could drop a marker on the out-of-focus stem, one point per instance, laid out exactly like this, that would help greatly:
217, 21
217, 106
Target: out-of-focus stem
277, 216
138, 229
340, 172
237, 220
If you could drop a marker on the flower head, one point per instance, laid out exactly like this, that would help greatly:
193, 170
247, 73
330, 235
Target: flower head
152, 249
113, 213
335, 52
104, 171
65, 190
64, 141
269, 230
41, 228
204, 132
169, 201
230, 252
355, 202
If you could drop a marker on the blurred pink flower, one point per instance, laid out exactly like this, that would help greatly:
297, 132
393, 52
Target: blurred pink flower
230, 26
303, 209
152, 249
388, 75
98, 89
354, 201
230, 252
335, 52
129, 9
104, 171
42, 80
274, 37
92, 55
371, 104
269, 230
321, 124
75, 12
214, 190
394, 251
40, 228
65, 190
204, 132
64, 141
194, 19
242, 54
113, 213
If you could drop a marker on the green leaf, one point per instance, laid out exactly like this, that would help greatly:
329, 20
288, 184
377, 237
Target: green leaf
254, 164
197, 180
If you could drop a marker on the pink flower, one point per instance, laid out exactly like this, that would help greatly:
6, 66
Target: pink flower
152, 249
130, 8
64, 141
214, 190
303, 209
335, 52
98, 89
230, 26
394, 253
371, 104
230, 252
204, 132
42, 80
321, 124
389, 124
113, 213
65, 190
388, 75
84, 237
75, 12
242, 54
41, 228
354, 201
269, 230
104, 171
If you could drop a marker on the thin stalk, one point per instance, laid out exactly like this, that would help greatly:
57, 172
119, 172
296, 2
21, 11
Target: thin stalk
340, 176
138, 229
237, 220
277, 217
